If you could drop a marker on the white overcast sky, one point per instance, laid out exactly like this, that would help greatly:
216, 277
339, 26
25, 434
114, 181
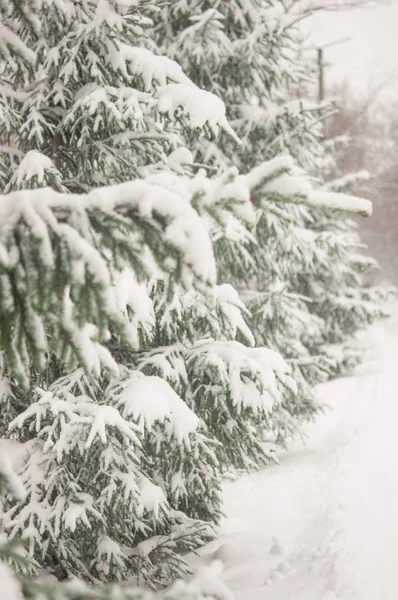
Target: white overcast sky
371, 56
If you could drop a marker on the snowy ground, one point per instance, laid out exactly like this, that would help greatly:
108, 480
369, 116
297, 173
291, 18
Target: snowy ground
324, 524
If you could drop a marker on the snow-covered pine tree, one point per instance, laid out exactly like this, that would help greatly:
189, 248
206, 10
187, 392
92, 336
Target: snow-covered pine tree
341, 293
108, 297
13, 556
94, 471
246, 52
118, 468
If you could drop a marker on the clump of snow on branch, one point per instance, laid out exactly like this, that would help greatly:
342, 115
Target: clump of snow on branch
148, 65
35, 170
276, 179
149, 399
202, 107
233, 308
50, 218
252, 375
12, 455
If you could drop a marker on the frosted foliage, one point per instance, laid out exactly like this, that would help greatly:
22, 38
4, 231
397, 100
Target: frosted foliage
224, 200
86, 418
106, 108
202, 107
291, 262
205, 584
252, 375
184, 248
150, 399
134, 301
66, 424
229, 386
11, 456
348, 181
246, 53
232, 307
233, 195
10, 42
277, 181
74, 421
125, 384
75, 222
111, 425
34, 166
178, 159
147, 65
152, 498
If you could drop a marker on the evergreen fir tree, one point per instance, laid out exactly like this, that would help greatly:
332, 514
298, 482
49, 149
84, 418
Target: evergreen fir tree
122, 380
119, 469
340, 294
13, 554
247, 52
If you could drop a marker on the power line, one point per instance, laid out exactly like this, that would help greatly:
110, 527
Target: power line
322, 64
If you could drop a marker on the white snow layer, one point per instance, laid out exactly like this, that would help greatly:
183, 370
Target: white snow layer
323, 525
12, 456
12, 43
34, 164
10, 588
185, 229
277, 178
202, 107
149, 66
339, 201
175, 90
234, 361
149, 399
234, 309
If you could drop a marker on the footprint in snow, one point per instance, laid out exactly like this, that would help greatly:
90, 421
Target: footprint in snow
277, 548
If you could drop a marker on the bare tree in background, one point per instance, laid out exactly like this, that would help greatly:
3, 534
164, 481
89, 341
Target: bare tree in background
370, 130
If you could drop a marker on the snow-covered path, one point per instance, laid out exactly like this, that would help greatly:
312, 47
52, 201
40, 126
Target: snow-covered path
324, 524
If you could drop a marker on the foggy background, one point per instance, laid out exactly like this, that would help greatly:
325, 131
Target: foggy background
360, 72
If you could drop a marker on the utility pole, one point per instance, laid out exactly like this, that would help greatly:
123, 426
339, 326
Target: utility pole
321, 89
322, 64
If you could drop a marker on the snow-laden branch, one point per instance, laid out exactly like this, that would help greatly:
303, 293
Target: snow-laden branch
58, 257
11, 44
341, 202
275, 180
59, 253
